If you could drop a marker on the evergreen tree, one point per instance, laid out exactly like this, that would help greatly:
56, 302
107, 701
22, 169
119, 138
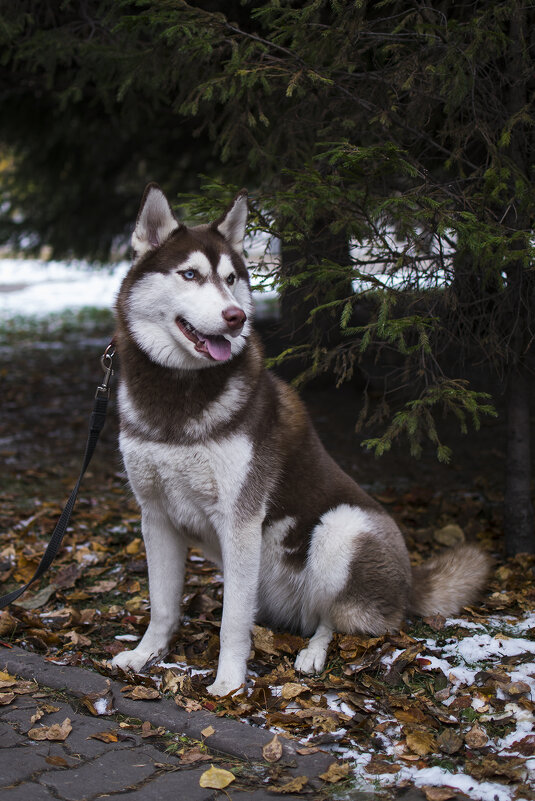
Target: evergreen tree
405, 129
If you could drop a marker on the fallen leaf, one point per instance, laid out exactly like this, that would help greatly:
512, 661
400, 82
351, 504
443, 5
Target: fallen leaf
105, 736
216, 778
6, 698
57, 731
439, 793
39, 599
140, 693
293, 786
6, 679
414, 715
43, 709
421, 742
77, 639
59, 618
272, 751
134, 547
208, 731
525, 746
99, 703
263, 640
377, 765
8, 624
173, 682
325, 723
148, 731
102, 587
194, 755
57, 761
451, 534
292, 690
476, 737
516, 689
436, 622
449, 741
511, 768
335, 772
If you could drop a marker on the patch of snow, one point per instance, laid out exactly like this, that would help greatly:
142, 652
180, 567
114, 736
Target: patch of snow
484, 647
482, 791
37, 288
465, 624
32, 287
102, 706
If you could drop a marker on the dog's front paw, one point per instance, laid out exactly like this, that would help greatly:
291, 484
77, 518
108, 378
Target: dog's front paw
133, 660
311, 659
222, 687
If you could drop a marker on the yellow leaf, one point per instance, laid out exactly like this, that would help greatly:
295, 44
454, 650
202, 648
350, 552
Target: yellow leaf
134, 546
292, 690
6, 677
105, 736
335, 772
216, 778
293, 786
272, 751
208, 731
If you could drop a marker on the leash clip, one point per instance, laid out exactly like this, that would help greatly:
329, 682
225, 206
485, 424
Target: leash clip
106, 360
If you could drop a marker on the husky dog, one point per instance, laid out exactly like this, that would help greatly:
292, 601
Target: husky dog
222, 455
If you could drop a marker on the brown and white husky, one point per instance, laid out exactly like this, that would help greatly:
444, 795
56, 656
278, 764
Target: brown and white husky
222, 455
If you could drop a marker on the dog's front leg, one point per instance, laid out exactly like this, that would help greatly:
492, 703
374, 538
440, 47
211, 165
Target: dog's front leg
241, 549
166, 558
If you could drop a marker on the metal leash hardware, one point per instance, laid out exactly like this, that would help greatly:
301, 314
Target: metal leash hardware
96, 423
106, 360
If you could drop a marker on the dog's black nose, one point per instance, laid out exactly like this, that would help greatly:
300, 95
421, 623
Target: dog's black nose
234, 317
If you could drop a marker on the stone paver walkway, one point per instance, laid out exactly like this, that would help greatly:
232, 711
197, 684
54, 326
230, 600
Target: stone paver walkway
82, 768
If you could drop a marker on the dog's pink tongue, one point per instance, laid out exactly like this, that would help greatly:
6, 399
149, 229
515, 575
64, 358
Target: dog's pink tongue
218, 348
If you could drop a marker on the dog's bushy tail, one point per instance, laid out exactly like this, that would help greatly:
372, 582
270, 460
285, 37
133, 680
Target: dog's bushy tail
446, 583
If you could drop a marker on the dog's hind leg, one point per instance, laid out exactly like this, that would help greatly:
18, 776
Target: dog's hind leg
166, 558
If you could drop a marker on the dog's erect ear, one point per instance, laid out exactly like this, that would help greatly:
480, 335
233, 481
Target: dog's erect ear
154, 223
232, 224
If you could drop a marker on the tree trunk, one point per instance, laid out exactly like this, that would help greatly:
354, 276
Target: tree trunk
518, 508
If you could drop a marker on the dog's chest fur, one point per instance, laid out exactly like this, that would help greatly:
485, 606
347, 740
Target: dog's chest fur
188, 444
197, 486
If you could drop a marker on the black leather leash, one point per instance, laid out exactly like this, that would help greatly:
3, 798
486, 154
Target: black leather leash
96, 424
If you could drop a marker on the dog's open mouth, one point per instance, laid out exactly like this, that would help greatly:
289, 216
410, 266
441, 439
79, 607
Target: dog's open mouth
213, 346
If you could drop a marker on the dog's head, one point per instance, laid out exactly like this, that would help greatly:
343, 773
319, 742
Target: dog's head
187, 300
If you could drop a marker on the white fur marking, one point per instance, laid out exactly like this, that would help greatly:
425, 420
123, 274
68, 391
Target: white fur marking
231, 400
196, 261
332, 548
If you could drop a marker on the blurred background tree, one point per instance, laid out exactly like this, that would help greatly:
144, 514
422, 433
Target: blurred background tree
389, 146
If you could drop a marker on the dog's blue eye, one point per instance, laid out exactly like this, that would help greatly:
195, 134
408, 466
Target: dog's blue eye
189, 275
230, 279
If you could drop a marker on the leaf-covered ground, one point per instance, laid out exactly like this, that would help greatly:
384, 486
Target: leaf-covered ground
446, 705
